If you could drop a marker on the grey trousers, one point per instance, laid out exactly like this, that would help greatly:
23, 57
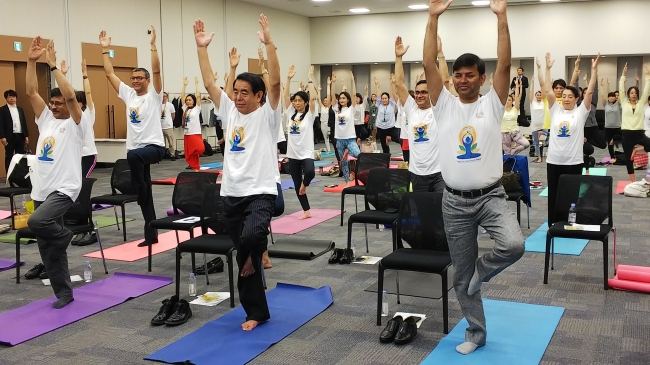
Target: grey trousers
462, 216
53, 239
427, 184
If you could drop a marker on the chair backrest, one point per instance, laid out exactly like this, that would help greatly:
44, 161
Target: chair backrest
385, 188
592, 196
367, 161
19, 177
212, 210
81, 211
121, 178
420, 222
189, 190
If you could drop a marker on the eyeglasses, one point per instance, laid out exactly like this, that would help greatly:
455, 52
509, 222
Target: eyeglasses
56, 103
138, 78
423, 92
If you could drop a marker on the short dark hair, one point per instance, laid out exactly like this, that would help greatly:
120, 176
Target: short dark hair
256, 82
412, 93
347, 95
520, 68
559, 82
611, 95
359, 96
302, 95
190, 96
637, 92
574, 90
469, 60
166, 93
385, 93
141, 69
81, 97
11, 92
420, 82
55, 92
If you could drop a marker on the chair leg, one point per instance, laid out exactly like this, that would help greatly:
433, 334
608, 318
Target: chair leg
605, 262
230, 280
124, 222
380, 291
271, 233
149, 250
205, 267
342, 207
117, 220
547, 254
519, 211
17, 259
12, 209
552, 253
349, 234
365, 226
178, 272
397, 285
101, 249
528, 215
356, 206
445, 303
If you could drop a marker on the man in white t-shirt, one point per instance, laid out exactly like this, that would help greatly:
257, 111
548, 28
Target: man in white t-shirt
145, 144
58, 169
469, 138
248, 187
167, 123
421, 130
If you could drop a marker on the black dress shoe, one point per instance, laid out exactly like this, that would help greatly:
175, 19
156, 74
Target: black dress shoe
214, 266
87, 239
388, 334
347, 256
182, 313
76, 239
336, 256
165, 311
147, 242
407, 331
43, 274
35, 271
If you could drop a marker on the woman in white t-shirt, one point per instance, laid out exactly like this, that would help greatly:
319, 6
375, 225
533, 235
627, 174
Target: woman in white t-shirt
344, 133
509, 127
402, 124
565, 154
324, 118
193, 140
359, 116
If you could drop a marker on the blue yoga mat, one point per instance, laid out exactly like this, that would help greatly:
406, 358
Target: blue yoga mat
598, 171
323, 163
328, 154
223, 341
536, 242
518, 333
211, 166
288, 184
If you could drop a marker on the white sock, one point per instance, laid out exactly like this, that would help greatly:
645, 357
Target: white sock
474, 283
466, 348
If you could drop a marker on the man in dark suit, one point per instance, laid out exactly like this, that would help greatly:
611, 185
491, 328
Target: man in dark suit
524, 86
13, 127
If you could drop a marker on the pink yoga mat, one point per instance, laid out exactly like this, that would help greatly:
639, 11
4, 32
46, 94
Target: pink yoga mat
4, 214
638, 276
130, 251
339, 188
620, 186
393, 166
290, 224
169, 181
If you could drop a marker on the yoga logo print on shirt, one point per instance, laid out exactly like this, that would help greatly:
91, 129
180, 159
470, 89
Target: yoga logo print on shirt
134, 115
342, 119
468, 144
294, 127
564, 130
420, 133
47, 149
237, 140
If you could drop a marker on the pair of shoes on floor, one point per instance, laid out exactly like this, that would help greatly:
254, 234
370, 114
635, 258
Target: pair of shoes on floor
214, 266
43, 275
400, 331
334, 171
173, 312
341, 256
84, 239
35, 271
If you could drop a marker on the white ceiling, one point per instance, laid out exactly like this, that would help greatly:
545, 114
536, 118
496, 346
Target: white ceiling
314, 9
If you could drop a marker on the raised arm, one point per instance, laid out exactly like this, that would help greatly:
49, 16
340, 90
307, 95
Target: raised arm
354, 89
318, 97
311, 89
198, 91
592, 83
550, 95
265, 72
540, 78
332, 90
274, 63
636, 81
431, 71
377, 89
518, 91
89, 99
646, 85
442, 65
621, 86
393, 89
183, 95
603, 96
402, 90
531, 97
31, 80
287, 93
504, 61
234, 58
155, 63
105, 42
576, 72
66, 89
202, 42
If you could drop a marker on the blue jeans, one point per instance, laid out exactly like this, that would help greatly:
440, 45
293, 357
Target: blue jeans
536, 140
353, 150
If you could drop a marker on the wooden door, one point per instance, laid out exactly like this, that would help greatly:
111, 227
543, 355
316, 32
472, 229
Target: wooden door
118, 108
7, 82
99, 89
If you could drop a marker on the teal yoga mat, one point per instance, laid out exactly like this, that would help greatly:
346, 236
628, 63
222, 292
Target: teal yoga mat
595, 171
518, 333
536, 242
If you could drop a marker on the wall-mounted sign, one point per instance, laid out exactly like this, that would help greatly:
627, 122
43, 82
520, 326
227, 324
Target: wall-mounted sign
18, 46
111, 53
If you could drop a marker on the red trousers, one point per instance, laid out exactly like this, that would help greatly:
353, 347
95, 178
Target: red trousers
193, 149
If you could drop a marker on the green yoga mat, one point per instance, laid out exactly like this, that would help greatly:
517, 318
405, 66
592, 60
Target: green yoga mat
102, 222
597, 171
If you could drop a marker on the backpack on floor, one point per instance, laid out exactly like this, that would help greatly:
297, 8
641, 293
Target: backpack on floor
208, 149
637, 189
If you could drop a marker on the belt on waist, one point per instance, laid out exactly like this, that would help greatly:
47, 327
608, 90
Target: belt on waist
476, 192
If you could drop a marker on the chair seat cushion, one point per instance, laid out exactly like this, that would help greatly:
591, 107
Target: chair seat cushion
417, 260
354, 190
217, 244
168, 223
557, 230
373, 216
515, 195
7, 192
116, 200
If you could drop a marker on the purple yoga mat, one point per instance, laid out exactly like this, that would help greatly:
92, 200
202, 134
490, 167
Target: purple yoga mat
101, 206
8, 264
37, 318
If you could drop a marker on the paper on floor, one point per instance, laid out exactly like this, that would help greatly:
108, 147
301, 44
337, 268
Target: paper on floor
583, 227
211, 298
73, 278
366, 260
406, 315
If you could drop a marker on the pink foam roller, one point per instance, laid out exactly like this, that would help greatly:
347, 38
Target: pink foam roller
633, 268
616, 283
638, 276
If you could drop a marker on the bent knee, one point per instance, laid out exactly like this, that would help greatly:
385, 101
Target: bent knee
515, 249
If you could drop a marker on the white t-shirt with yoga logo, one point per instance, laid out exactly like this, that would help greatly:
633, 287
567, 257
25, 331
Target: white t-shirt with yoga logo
469, 138
344, 123
422, 133
89, 148
192, 121
58, 155
142, 117
300, 138
567, 135
537, 115
166, 121
250, 160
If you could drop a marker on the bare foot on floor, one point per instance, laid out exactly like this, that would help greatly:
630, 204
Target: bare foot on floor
266, 261
249, 325
248, 269
306, 215
303, 189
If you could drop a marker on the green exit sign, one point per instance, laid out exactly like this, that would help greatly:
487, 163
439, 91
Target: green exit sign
18, 46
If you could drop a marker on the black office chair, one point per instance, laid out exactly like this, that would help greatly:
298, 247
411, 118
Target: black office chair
188, 199
19, 184
365, 162
421, 226
592, 196
209, 243
80, 213
122, 192
384, 191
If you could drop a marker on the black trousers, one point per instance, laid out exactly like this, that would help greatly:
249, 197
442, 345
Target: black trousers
428, 184
222, 146
361, 131
297, 168
140, 160
612, 134
406, 154
247, 220
631, 139
15, 145
88, 165
553, 173
393, 132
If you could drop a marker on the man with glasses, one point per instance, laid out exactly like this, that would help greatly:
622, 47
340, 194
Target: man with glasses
420, 128
144, 138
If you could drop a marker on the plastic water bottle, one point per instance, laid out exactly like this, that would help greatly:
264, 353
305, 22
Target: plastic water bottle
384, 304
88, 272
354, 248
381, 228
192, 285
572, 214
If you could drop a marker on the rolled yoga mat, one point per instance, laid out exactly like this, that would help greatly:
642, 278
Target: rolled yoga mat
222, 341
617, 283
536, 242
290, 224
633, 268
632, 275
37, 318
8, 264
299, 249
